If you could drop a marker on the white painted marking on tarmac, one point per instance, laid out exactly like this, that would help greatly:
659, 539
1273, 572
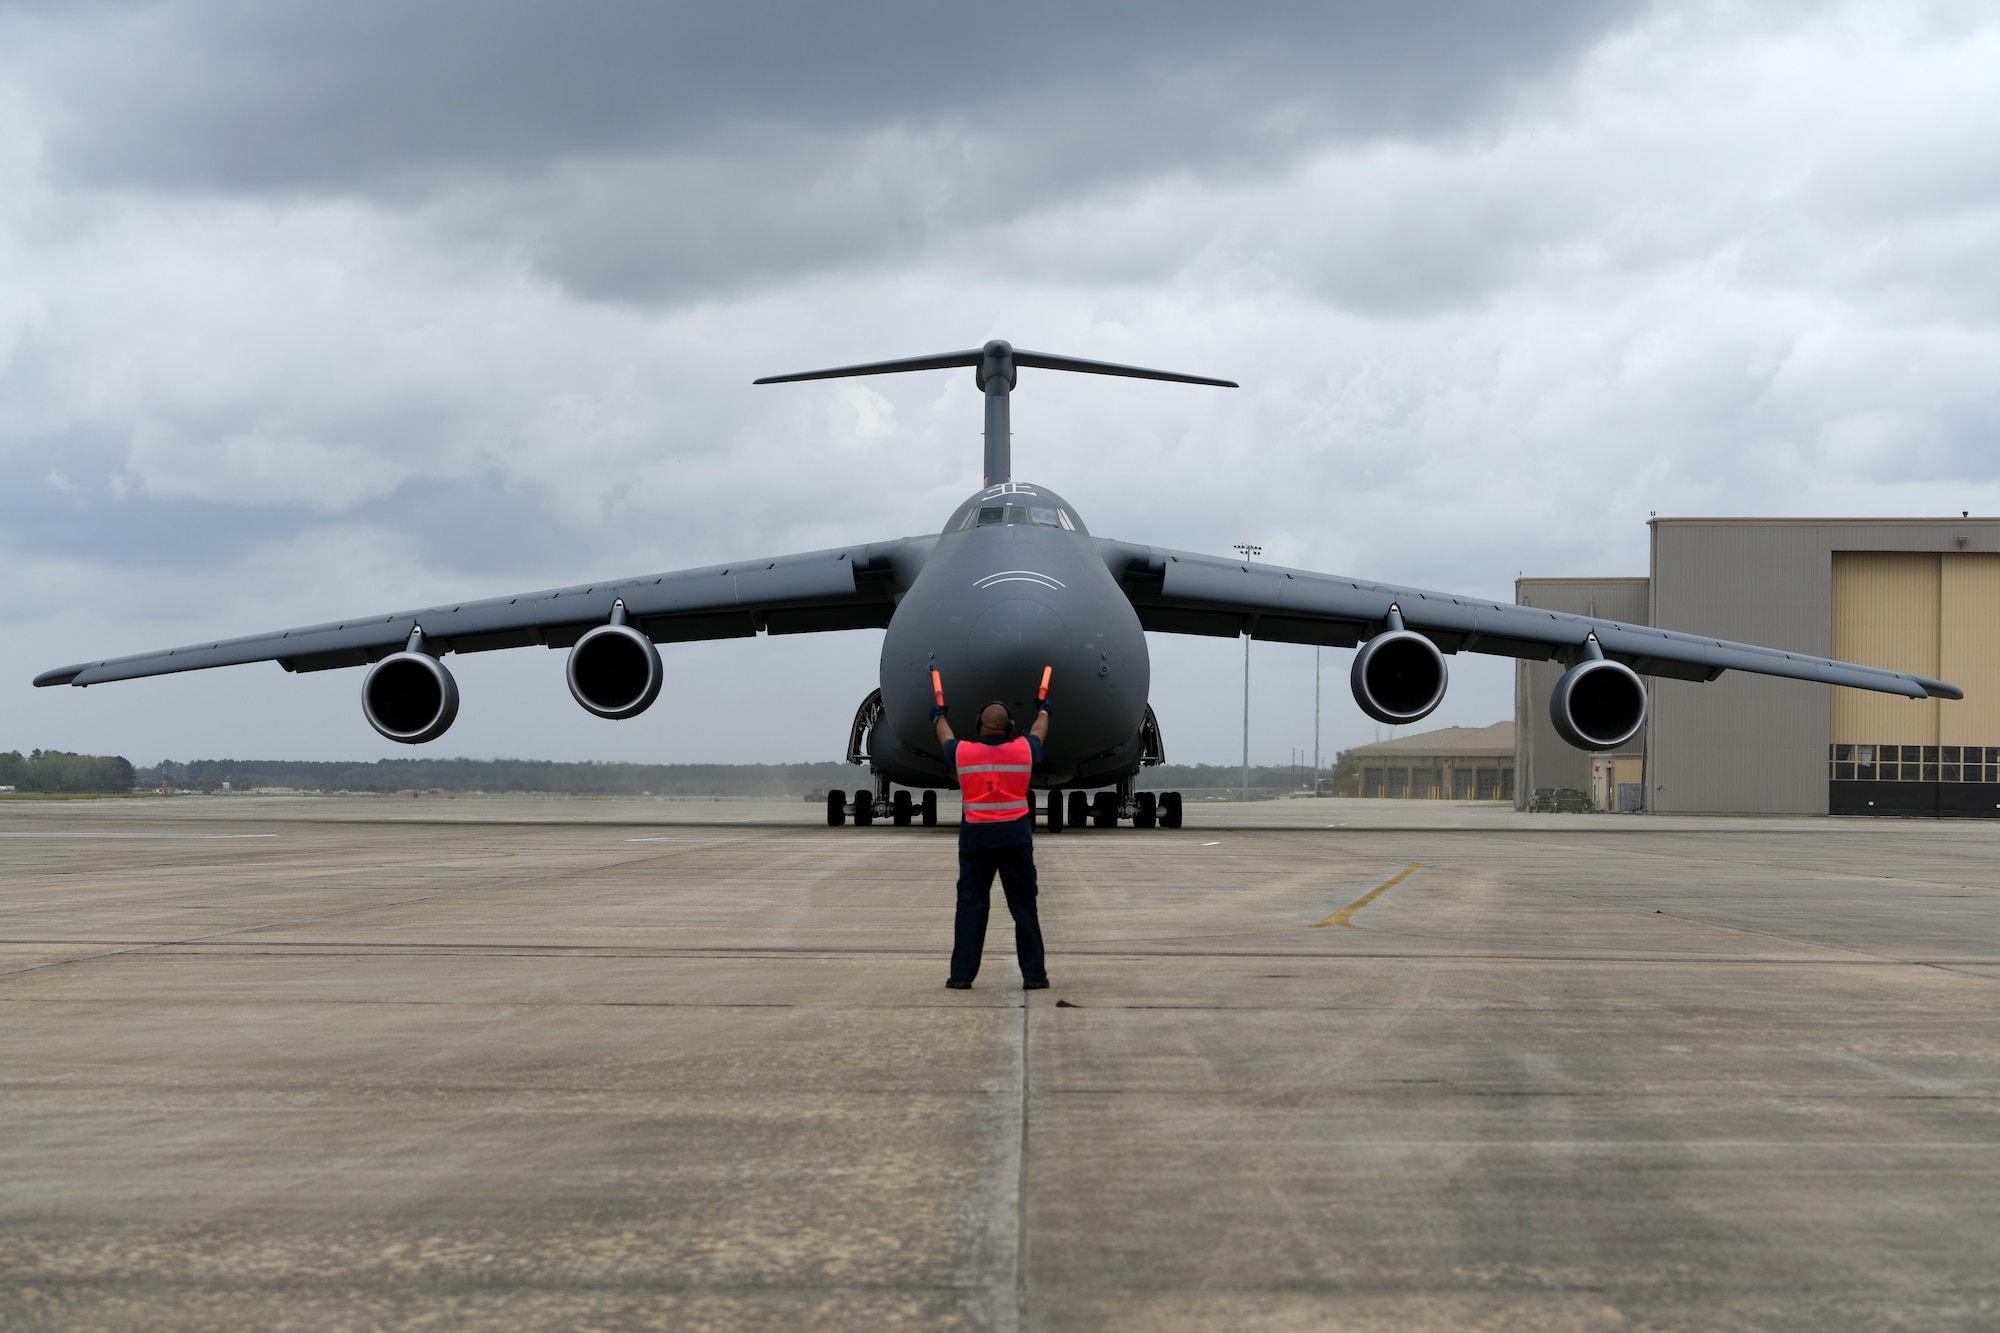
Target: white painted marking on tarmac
146, 837
1898, 1075
1211, 844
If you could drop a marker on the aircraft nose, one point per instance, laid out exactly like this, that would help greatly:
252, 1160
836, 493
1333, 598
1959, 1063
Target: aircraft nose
1011, 642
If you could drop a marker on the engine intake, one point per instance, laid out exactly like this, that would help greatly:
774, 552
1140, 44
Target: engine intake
614, 671
1598, 704
410, 698
1399, 675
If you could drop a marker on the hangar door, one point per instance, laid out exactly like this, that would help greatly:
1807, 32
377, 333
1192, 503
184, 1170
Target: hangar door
1935, 614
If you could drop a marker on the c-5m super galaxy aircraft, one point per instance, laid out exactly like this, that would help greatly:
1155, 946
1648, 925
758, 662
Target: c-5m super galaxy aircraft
1014, 583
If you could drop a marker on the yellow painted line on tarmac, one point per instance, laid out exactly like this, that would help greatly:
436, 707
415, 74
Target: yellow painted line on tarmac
1345, 916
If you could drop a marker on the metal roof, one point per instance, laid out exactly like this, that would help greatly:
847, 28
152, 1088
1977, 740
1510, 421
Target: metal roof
1446, 742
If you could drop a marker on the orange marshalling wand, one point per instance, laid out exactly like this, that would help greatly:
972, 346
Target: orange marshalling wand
937, 687
1047, 671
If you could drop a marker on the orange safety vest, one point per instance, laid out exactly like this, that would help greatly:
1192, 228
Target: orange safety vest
994, 779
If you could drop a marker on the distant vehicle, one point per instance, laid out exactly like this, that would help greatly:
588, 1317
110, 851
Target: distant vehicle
1569, 801
1543, 801
1013, 583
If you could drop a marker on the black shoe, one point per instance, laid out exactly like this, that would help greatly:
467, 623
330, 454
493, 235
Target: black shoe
953, 983
1043, 984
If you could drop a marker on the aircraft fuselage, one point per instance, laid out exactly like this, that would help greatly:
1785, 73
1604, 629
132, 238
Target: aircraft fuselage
1015, 584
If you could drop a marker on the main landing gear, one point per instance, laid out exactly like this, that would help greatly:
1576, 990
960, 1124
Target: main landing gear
1074, 809
1144, 809
899, 808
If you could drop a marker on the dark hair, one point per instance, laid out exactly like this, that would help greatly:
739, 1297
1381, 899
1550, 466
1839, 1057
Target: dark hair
1001, 704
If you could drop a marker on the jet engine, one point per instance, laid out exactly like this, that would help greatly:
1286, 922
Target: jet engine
410, 697
1399, 675
614, 671
1598, 704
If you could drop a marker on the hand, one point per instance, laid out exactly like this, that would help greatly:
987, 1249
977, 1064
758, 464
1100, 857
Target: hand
940, 710
1042, 706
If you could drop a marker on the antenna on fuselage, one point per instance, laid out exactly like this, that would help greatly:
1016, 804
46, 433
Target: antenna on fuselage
994, 366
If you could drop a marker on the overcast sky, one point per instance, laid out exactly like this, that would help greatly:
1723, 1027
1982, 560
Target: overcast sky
318, 310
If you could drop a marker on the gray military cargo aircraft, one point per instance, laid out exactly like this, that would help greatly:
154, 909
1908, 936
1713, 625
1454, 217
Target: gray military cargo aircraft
1013, 584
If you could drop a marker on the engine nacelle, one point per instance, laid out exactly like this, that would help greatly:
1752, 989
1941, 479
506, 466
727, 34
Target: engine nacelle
1598, 704
410, 698
614, 671
1399, 676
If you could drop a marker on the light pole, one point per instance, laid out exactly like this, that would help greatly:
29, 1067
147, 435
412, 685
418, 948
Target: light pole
1315, 788
1248, 552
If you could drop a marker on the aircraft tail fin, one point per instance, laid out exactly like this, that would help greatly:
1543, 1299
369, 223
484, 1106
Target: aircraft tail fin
993, 366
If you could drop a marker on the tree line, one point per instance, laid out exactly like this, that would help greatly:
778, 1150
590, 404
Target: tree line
615, 779
504, 775
1343, 776
61, 771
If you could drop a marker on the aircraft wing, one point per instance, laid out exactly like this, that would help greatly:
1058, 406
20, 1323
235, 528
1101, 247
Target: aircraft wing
1180, 592
851, 587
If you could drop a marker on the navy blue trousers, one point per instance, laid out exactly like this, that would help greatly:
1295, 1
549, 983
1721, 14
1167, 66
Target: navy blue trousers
1016, 868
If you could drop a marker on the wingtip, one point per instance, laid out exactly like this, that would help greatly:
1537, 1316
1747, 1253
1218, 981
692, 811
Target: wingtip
1938, 689
60, 676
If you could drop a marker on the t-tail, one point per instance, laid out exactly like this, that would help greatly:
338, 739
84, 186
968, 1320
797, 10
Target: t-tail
995, 365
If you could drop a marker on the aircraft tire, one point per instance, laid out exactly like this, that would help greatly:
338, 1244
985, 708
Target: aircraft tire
930, 809
1055, 811
1170, 809
1079, 810
1148, 813
836, 808
1104, 810
864, 808
899, 809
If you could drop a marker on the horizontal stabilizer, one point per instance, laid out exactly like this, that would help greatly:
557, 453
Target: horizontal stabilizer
944, 361
1000, 354
1045, 361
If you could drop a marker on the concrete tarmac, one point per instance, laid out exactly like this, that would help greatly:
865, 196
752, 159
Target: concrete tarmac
355, 1063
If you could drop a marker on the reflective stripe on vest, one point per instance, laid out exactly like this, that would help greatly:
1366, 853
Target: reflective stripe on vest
995, 780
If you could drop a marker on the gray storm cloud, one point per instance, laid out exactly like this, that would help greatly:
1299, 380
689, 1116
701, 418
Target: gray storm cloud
316, 310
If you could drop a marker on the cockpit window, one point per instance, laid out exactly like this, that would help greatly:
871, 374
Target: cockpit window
989, 515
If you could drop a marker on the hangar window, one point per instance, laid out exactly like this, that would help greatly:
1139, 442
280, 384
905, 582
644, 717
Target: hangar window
990, 515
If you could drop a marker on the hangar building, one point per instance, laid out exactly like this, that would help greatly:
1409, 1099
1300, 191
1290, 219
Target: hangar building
1451, 763
1909, 594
